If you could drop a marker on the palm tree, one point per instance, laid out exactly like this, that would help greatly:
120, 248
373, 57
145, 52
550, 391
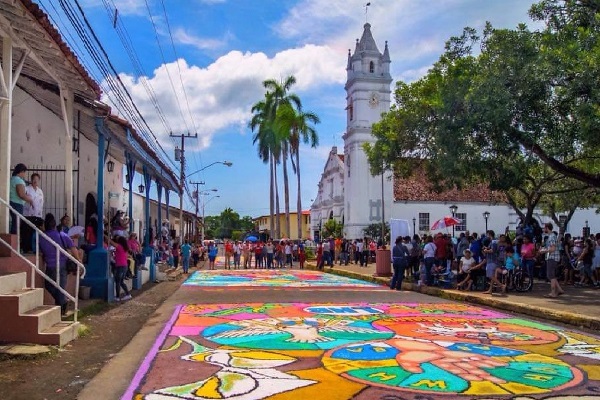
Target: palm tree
299, 125
265, 136
281, 97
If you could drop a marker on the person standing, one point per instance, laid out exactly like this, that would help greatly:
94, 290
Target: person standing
400, 256
175, 254
270, 251
33, 213
237, 255
212, 255
56, 272
429, 259
366, 251
120, 271
288, 254
186, 255
18, 195
552, 255
228, 254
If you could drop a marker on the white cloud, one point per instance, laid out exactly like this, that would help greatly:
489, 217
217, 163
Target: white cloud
222, 94
180, 35
125, 7
416, 30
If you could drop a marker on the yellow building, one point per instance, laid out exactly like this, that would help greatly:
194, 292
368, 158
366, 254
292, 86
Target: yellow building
263, 225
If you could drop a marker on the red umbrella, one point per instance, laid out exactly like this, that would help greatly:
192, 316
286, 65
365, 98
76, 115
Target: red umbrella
445, 223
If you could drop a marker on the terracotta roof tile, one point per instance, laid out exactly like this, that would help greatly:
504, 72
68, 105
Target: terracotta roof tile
417, 189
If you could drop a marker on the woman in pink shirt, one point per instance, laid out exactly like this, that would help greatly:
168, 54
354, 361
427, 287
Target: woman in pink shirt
528, 256
121, 249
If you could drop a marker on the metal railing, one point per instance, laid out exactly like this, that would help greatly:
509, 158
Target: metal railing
35, 269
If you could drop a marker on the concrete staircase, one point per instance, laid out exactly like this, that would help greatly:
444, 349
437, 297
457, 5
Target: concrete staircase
27, 315
25, 318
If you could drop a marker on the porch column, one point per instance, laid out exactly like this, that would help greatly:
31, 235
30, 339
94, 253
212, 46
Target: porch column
66, 104
159, 193
5, 128
130, 164
98, 275
167, 209
148, 249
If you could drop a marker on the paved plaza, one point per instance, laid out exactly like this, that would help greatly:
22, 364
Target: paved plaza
277, 342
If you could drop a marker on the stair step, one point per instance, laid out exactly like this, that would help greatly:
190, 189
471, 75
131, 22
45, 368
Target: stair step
9, 282
60, 333
47, 316
23, 299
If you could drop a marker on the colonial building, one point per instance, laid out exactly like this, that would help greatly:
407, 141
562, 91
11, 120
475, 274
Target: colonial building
348, 193
262, 225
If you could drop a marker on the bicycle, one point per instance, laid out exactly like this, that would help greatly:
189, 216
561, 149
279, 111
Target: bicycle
517, 279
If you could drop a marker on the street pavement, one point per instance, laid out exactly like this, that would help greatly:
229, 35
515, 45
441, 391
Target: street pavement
347, 341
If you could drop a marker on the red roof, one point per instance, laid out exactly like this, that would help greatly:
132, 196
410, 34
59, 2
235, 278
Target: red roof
341, 156
416, 188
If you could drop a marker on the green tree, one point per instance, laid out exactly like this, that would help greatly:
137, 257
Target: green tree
332, 228
526, 97
299, 125
229, 221
272, 146
374, 231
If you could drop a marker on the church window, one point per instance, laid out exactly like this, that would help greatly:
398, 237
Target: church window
371, 67
424, 222
350, 111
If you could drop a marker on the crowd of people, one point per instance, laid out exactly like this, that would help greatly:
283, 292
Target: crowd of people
237, 254
344, 251
482, 262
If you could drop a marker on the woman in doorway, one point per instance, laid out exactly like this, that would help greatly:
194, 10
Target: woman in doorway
18, 195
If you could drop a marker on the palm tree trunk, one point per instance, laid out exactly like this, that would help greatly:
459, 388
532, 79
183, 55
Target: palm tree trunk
277, 219
271, 197
286, 194
299, 205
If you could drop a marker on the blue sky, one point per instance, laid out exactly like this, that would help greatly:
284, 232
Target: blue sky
226, 48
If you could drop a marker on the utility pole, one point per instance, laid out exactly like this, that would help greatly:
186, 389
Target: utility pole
197, 196
180, 156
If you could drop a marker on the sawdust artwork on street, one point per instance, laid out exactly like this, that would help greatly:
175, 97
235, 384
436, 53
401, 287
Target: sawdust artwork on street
363, 351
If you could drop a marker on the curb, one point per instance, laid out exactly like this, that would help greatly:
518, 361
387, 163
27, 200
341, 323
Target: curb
574, 319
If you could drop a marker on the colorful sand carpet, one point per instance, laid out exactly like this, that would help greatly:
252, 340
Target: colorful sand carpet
275, 278
363, 351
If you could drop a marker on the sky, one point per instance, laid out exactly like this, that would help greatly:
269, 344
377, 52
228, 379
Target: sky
205, 61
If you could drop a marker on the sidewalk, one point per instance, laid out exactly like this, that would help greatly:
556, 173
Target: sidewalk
578, 306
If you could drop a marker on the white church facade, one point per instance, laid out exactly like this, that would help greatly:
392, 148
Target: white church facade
348, 193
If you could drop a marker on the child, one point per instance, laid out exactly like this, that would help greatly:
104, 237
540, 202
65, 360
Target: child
120, 270
301, 256
464, 275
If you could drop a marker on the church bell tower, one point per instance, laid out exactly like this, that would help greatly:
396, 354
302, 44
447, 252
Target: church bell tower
367, 97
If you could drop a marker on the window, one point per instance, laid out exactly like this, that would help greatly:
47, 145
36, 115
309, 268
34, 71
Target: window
371, 67
462, 226
424, 222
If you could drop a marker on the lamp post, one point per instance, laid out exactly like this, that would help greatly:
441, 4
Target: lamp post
486, 215
414, 226
204, 203
453, 209
225, 163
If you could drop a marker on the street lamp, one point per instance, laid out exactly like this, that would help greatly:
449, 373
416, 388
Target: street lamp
414, 226
225, 163
204, 203
486, 215
453, 209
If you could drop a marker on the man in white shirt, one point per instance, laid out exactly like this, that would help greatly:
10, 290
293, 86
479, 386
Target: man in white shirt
33, 211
